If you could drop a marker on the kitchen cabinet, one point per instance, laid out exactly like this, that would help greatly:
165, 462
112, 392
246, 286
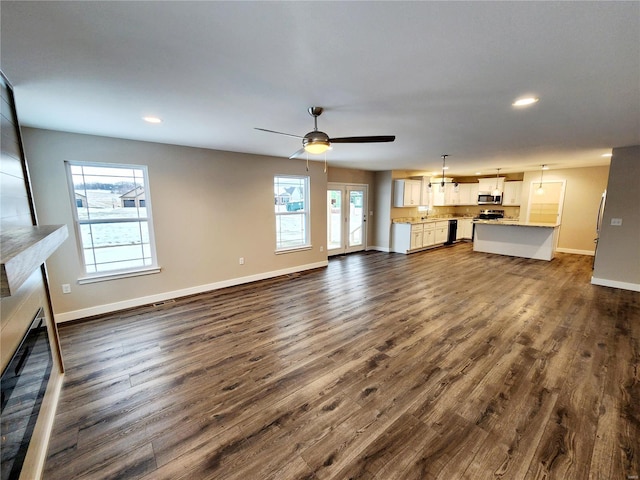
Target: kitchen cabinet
489, 184
465, 228
438, 195
512, 193
406, 237
452, 194
416, 236
407, 193
468, 194
441, 232
428, 236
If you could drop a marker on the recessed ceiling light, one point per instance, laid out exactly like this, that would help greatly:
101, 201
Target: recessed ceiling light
478, 173
151, 119
525, 101
607, 154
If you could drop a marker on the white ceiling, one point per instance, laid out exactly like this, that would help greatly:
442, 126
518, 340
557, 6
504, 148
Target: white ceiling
441, 76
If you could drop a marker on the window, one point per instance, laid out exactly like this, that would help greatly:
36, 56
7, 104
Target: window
291, 199
112, 214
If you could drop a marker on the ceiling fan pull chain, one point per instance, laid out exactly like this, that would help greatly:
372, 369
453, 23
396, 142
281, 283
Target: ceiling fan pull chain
307, 161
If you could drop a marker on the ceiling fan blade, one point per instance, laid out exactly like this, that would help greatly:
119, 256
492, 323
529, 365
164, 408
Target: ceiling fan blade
372, 139
279, 133
296, 154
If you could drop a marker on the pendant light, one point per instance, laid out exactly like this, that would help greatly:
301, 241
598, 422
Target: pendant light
540, 190
444, 158
497, 191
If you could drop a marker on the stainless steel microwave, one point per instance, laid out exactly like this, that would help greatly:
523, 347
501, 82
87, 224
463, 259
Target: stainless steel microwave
488, 198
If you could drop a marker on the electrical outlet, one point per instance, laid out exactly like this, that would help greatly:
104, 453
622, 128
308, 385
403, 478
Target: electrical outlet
66, 288
241, 261
322, 249
616, 222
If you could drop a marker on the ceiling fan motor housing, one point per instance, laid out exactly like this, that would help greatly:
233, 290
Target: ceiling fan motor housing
315, 137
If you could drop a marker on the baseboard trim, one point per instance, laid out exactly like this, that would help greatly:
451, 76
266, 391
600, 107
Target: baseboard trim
379, 249
62, 317
575, 251
603, 282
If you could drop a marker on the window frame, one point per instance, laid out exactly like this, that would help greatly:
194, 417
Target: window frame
91, 277
306, 212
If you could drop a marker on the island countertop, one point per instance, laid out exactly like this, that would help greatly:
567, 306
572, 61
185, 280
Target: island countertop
516, 223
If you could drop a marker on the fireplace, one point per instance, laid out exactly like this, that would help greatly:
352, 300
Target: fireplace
23, 385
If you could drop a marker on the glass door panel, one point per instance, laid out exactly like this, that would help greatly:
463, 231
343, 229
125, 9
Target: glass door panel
334, 221
356, 218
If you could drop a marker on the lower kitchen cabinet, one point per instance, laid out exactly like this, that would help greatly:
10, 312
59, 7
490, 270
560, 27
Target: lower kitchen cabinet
465, 229
416, 236
406, 238
441, 232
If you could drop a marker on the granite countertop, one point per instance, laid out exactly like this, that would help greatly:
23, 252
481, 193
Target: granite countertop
418, 220
516, 223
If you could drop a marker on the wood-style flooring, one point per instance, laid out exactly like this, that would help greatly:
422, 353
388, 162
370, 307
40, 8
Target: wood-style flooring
445, 364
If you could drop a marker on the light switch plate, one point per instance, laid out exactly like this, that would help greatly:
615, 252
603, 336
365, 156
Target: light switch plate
616, 222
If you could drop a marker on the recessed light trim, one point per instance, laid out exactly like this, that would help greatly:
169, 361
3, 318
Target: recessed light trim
525, 101
607, 155
152, 119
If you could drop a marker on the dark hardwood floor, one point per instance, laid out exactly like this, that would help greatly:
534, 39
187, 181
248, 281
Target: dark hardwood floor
444, 364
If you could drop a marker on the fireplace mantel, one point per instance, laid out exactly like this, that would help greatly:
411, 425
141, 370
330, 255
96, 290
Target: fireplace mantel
23, 250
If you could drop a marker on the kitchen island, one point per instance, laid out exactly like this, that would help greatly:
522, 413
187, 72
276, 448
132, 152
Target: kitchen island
516, 239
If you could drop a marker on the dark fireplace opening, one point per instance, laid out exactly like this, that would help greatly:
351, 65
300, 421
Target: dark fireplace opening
23, 385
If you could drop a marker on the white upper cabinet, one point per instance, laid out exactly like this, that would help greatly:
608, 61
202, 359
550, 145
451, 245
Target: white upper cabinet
407, 193
468, 194
512, 193
438, 194
489, 184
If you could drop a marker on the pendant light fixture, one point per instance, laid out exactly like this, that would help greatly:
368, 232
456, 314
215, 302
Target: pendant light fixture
497, 191
444, 158
540, 190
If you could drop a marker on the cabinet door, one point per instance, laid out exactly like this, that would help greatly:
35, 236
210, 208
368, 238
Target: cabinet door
406, 193
452, 194
465, 227
429, 237
512, 193
413, 189
416, 239
442, 232
437, 195
489, 184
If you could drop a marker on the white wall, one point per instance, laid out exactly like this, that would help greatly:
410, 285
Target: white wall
209, 208
617, 263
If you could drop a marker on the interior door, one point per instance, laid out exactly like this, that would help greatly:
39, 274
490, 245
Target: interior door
545, 202
346, 218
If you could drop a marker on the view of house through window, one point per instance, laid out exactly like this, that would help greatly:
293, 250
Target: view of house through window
112, 216
291, 199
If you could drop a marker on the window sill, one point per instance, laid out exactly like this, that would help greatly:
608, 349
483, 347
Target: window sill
104, 277
293, 249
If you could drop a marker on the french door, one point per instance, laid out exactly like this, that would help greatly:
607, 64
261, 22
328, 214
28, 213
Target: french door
346, 218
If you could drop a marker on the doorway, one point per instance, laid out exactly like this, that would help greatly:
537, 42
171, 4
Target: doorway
545, 202
346, 218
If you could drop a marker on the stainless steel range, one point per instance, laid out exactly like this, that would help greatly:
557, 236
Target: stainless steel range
490, 215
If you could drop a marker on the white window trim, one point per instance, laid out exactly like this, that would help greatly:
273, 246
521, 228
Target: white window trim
104, 277
307, 212
87, 278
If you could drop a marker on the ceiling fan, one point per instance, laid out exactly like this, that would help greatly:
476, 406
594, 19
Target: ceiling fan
317, 142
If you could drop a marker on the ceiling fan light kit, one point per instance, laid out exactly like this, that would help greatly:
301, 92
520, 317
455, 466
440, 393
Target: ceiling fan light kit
317, 142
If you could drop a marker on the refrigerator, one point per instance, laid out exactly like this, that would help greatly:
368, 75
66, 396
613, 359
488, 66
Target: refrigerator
599, 225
